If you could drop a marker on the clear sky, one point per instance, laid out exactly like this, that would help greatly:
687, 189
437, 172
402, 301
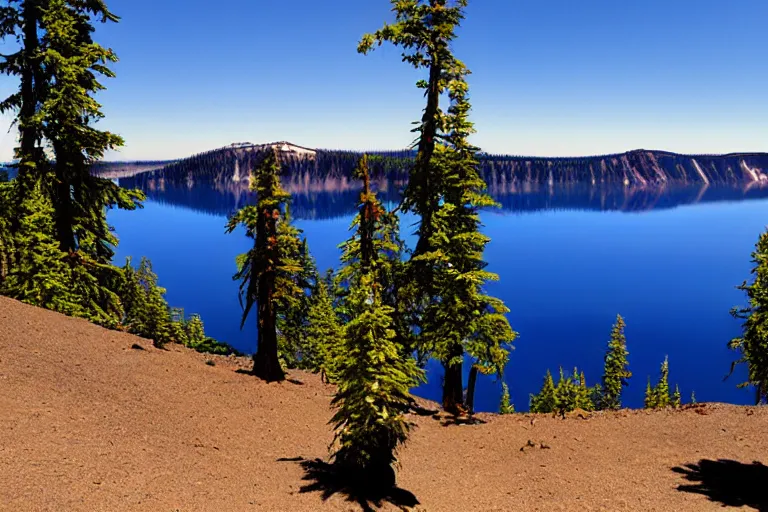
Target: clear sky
550, 77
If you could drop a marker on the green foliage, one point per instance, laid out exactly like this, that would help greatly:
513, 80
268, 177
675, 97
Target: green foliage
7, 250
195, 330
57, 63
662, 387
382, 255
693, 397
325, 334
295, 348
545, 401
445, 276
375, 246
72, 63
570, 393
650, 396
676, 400
374, 383
146, 311
271, 273
197, 340
40, 275
615, 374
752, 345
179, 332
505, 407
659, 396
373, 375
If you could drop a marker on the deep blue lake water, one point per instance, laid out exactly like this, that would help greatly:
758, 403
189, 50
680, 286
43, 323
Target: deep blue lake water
569, 260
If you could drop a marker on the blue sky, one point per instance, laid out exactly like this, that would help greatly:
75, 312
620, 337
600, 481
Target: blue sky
550, 77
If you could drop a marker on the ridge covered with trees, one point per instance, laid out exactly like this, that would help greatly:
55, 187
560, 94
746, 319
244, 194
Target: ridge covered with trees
637, 167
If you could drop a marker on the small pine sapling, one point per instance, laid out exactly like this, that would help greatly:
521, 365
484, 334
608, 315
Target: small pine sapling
676, 398
545, 400
616, 374
505, 406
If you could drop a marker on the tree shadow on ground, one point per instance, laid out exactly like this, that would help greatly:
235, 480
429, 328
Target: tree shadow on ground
329, 479
729, 482
453, 420
245, 371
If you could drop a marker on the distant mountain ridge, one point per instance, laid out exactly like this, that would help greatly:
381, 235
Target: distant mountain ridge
637, 167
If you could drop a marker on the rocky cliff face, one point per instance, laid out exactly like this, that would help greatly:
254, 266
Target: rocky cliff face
639, 167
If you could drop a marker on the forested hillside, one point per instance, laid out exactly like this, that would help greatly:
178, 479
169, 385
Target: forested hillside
641, 167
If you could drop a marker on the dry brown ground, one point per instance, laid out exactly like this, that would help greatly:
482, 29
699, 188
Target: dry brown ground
89, 423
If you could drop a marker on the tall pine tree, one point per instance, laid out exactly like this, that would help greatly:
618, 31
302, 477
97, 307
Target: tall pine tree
268, 272
752, 345
57, 64
374, 379
446, 272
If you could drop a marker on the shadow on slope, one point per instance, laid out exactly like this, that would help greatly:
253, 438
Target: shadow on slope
329, 479
729, 482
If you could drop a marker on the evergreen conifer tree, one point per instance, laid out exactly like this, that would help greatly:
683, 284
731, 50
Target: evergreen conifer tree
752, 345
693, 397
584, 396
268, 272
676, 397
565, 394
446, 272
381, 252
615, 374
650, 396
374, 379
373, 393
40, 276
505, 406
325, 334
146, 311
661, 391
57, 63
195, 331
659, 396
72, 62
545, 400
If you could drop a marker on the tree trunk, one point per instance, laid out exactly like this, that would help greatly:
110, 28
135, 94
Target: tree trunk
421, 173
63, 203
266, 363
471, 389
28, 133
453, 391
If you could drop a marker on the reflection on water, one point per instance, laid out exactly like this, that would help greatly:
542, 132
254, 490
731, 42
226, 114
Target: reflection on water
670, 268
333, 197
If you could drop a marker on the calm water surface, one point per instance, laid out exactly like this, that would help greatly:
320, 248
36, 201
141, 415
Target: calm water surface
569, 261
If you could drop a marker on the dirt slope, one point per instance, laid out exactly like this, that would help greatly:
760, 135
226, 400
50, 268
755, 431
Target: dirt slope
88, 423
